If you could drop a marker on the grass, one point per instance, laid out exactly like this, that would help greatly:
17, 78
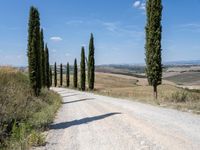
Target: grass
185, 78
23, 116
137, 89
168, 95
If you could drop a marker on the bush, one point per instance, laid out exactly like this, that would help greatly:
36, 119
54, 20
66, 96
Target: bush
36, 139
23, 115
179, 96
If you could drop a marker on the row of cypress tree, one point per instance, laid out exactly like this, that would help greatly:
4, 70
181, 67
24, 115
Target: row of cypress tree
40, 74
75, 75
90, 70
38, 55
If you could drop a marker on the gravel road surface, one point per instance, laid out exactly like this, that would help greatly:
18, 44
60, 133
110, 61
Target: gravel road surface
91, 122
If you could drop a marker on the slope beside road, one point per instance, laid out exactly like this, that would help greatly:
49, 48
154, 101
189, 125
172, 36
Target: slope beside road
91, 122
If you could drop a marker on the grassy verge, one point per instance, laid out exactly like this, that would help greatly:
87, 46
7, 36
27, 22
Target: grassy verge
23, 116
127, 88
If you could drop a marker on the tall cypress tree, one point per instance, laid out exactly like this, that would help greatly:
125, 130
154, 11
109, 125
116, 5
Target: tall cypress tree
61, 75
43, 77
55, 74
91, 64
50, 75
34, 54
82, 71
67, 75
153, 43
75, 74
47, 66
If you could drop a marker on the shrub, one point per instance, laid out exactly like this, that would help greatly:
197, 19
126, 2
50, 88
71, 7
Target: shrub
21, 113
36, 139
179, 96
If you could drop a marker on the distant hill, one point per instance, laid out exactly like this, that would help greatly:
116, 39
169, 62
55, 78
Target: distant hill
167, 63
180, 63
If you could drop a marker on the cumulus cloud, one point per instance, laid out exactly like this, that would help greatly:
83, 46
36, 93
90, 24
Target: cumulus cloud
56, 38
139, 4
136, 4
143, 6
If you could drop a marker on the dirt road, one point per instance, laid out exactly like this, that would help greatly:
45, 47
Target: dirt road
91, 122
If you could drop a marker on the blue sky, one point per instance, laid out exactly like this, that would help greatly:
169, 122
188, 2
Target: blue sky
117, 25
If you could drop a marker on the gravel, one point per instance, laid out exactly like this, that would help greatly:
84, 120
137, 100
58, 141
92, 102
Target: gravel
92, 122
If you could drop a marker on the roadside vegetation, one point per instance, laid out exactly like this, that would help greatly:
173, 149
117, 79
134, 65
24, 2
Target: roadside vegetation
133, 88
23, 116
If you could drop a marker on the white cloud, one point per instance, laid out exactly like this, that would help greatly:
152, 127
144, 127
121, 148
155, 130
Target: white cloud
191, 25
143, 6
194, 27
139, 4
136, 4
111, 26
56, 38
118, 29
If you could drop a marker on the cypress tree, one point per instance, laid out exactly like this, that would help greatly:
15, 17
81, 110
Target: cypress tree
91, 64
43, 77
75, 74
50, 75
34, 54
47, 66
82, 71
55, 74
153, 44
61, 75
67, 75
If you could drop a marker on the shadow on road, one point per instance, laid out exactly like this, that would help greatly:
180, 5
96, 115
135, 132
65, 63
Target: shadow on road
61, 91
80, 100
68, 95
65, 125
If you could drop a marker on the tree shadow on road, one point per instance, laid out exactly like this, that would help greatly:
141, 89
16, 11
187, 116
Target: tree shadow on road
65, 125
80, 100
68, 95
61, 91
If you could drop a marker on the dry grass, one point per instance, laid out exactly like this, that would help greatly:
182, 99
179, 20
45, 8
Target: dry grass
22, 115
186, 78
127, 87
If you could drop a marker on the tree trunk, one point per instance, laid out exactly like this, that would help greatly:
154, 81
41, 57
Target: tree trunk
155, 93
